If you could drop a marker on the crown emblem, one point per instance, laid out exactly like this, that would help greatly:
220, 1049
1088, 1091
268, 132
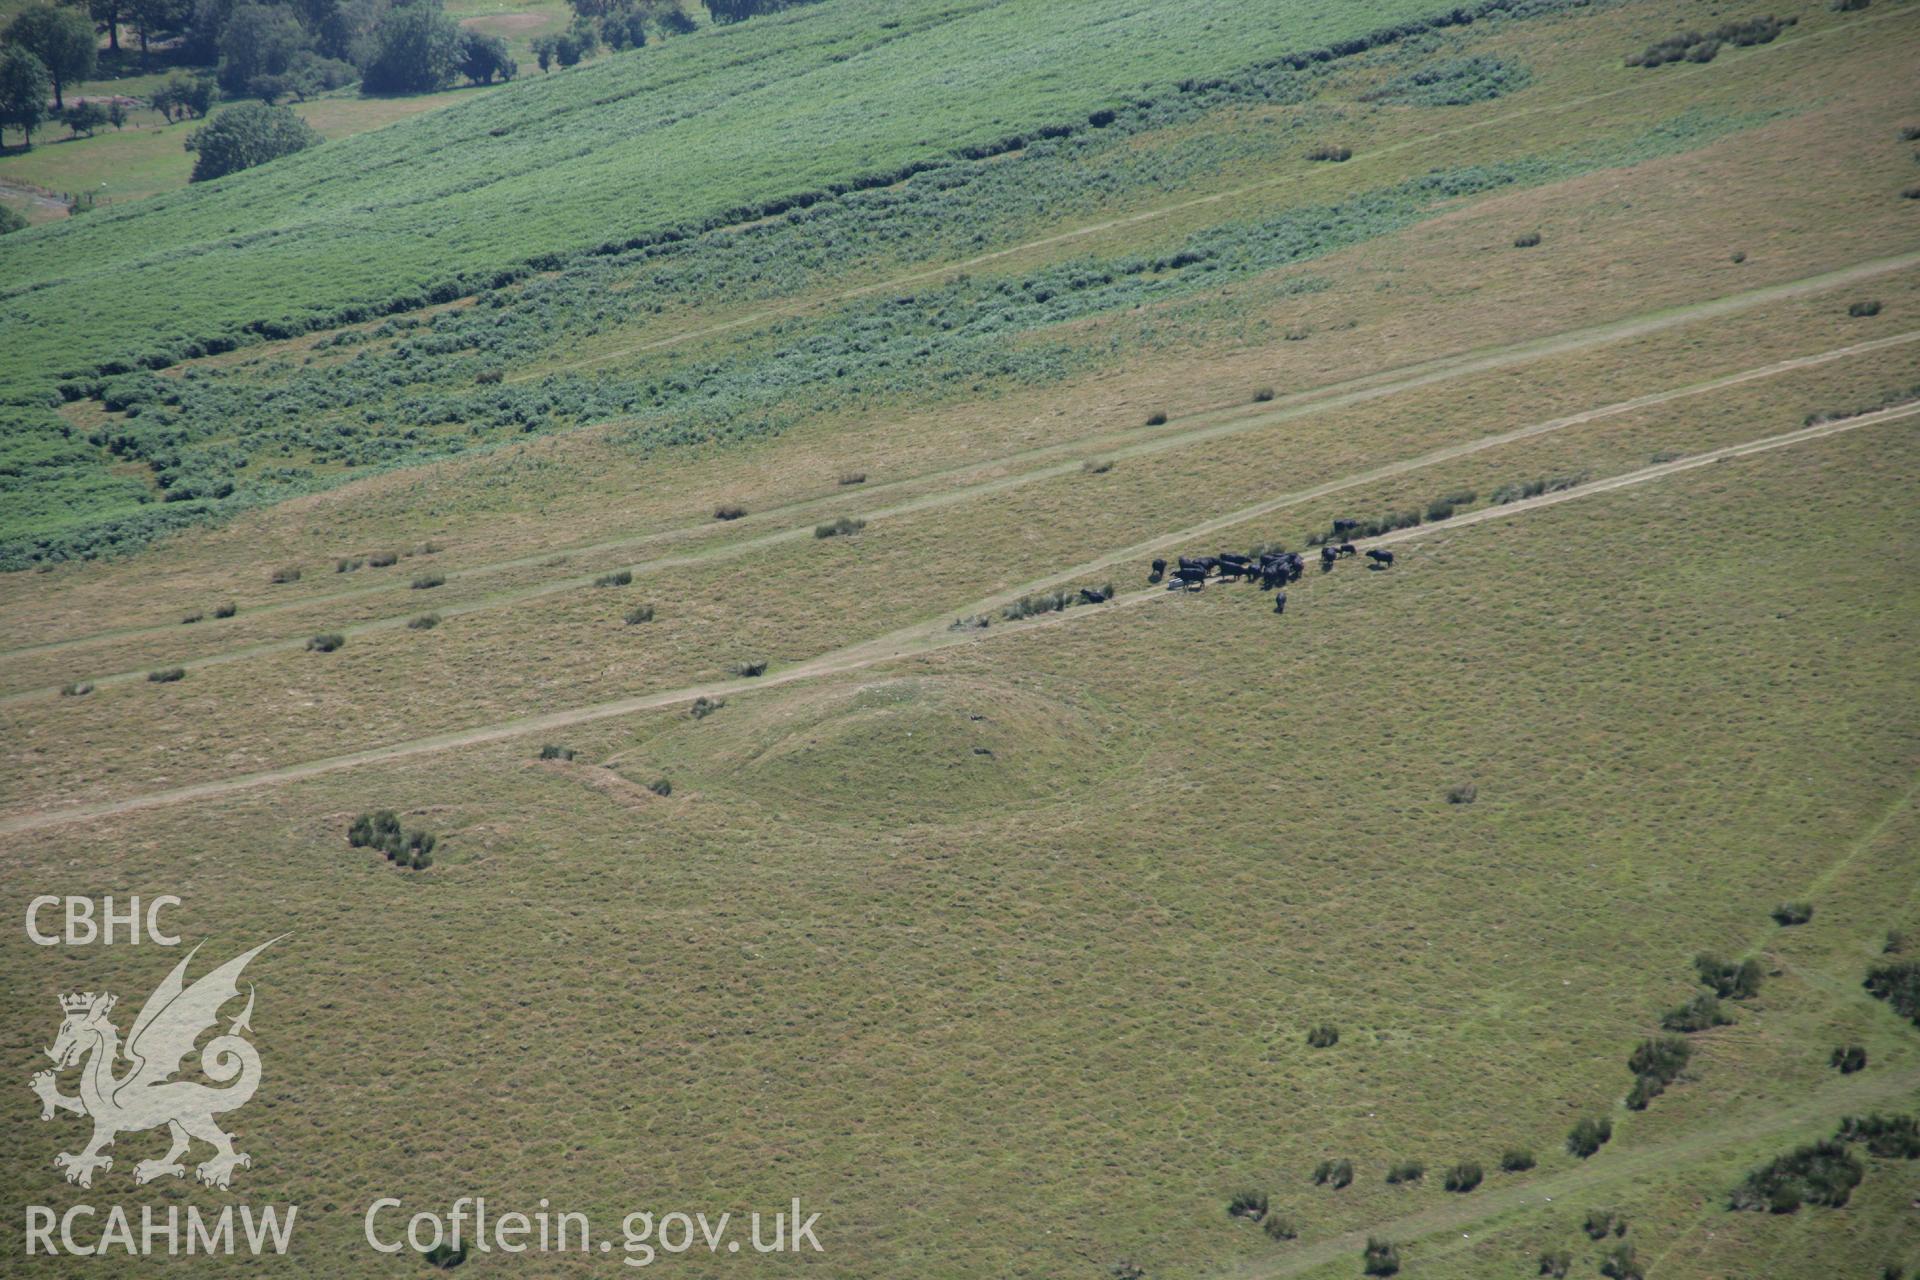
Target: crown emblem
79, 1002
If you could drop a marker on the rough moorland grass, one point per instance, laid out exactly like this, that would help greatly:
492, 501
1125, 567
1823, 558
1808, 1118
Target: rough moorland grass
861, 892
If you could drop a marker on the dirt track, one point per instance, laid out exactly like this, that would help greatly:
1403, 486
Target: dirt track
920, 637
1064, 459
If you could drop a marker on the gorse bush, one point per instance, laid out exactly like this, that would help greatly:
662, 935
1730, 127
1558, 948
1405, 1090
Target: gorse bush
754, 668
551, 752
1534, 488
226, 609
1463, 793
853, 477
1453, 82
1333, 1173
618, 578
1406, 1171
427, 581
167, 675
1899, 985
1702, 1013
1517, 1160
1380, 1257
382, 560
1847, 1059
1323, 1036
729, 511
1729, 981
1158, 418
1096, 466
325, 642
1621, 1263
1862, 310
1789, 913
192, 618
1248, 1204
844, 526
1821, 1173
1263, 395
1052, 602
703, 706
78, 689
285, 574
1527, 240
1279, 1226
425, 622
660, 787
1888, 1137
1589, 1135
1555, 1263
1656, 1063
1464, 1177
1332, 152
1691, 46
639, 614
381, 830
1602, 1223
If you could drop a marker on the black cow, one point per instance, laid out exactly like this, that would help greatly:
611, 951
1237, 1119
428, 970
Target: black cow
1279, 602
1274, 573
1159, 571
1094, 595
1205, 564
1346, 549
1327, 556
1188, 579
1381, 559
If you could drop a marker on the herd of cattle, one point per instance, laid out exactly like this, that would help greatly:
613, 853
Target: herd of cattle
1272, 569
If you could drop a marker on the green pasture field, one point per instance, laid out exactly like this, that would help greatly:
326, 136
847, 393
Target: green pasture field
148, 156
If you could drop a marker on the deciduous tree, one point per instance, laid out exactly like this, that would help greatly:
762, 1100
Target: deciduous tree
245, 135
63, 40
24, 86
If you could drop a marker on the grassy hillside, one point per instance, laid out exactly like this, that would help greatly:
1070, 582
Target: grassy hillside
697, 132
998, 935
